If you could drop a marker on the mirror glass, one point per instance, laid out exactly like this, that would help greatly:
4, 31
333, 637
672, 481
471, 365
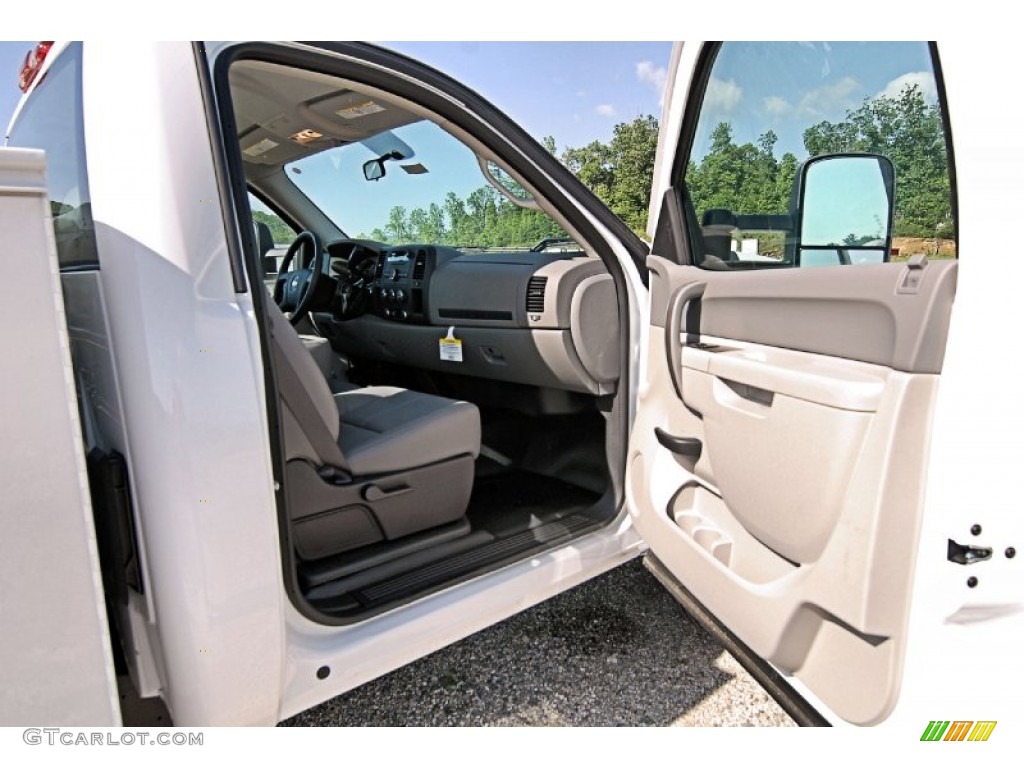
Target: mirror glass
373, 170
846, 203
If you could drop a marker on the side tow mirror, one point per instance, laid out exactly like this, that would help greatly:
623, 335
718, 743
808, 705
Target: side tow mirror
844, 209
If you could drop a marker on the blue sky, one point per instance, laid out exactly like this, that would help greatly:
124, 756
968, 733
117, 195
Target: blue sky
787, 87
12, 54
578, 91
574, 91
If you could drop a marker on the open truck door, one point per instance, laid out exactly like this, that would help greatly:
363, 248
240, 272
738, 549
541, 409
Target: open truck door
777, 463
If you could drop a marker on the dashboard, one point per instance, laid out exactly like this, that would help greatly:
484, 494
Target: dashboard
541, 318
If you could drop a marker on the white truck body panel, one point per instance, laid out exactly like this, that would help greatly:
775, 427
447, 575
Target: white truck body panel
52, 592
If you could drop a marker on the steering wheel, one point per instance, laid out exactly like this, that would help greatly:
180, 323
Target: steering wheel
354, 278
294, 290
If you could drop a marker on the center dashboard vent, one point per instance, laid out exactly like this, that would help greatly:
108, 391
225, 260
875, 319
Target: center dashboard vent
535, 294
420, 267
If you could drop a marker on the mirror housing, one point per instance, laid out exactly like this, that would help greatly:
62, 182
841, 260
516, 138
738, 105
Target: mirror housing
264, 238
264, 245
844, 205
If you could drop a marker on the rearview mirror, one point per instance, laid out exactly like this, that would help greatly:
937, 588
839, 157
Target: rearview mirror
374, 170
845, 209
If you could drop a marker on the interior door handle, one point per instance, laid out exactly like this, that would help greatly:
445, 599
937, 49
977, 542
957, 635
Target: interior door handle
676, 325
690, 447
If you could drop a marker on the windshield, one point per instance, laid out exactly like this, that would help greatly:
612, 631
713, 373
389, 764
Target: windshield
432, 191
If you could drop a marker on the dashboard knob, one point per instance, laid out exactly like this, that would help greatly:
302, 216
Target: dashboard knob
404, 315
400, 294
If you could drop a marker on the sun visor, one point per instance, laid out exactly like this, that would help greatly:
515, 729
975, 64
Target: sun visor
386, 143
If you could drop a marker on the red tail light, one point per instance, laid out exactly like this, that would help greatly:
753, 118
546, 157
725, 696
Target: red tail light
33, 63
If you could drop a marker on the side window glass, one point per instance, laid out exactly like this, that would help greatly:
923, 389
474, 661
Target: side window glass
273, 236
820, 154
52, 120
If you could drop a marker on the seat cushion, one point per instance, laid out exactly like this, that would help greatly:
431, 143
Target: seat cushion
387, 429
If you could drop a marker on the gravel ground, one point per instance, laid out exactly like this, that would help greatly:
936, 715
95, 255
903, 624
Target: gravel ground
617, 650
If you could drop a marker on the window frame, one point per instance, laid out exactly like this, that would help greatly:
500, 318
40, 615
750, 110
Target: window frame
72, 134
688, 227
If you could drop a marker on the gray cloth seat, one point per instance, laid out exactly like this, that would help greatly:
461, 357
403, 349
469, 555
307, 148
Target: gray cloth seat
406, 458
387, 429
330, 365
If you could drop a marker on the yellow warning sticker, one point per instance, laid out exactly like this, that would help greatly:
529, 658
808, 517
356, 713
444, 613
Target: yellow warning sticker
451, 348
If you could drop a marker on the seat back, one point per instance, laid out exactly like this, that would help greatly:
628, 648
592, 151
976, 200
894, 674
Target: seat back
310, 419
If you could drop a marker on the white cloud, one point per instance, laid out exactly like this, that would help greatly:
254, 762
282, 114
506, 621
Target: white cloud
922, 80
776, 106
653, 76
722, 95
826, 100
607, 110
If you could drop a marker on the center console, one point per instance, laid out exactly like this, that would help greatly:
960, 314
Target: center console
399, 287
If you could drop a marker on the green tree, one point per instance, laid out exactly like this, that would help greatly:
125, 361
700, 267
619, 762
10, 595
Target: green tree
908, 130
483, 219
280, 231
743, 178
594, 166
620, 172
428, 225
397, 228
633, 149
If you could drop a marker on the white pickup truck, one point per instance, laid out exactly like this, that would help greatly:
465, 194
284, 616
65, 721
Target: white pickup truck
274, 496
